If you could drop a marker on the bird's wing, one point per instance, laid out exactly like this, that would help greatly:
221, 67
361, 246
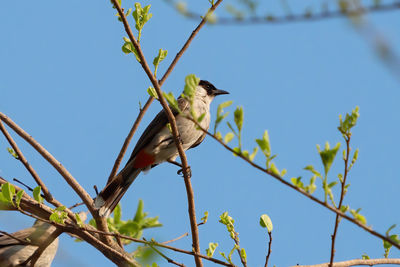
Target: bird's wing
198, 142
155, 126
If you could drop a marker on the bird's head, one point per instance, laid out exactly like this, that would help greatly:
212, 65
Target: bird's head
207, 90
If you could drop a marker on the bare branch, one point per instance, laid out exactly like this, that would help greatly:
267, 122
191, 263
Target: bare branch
101, 222
301, 191
269, 249
171, 119
21, 157
342, 193
307, 17
55, 163
163, 246
129, 138
355, 262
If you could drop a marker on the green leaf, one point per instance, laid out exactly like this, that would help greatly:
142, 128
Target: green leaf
205, 218
238, 117
273, 169
390, 229
228, 137
139, 211
12, 152
253, 154
328, 155
141, 16
236, 151
128, 47
344, 208
191, 82
264, 144
19, 197
211, 249
265, 222
311, 169
350, 119
157, 60
243, 254
201, 117
152, 92
78, 220
218, 135
172, 101
365, 257
358, 217
36, 194
332, 184
8, 191
118, 213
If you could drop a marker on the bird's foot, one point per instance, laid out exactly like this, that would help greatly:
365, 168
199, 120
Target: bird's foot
188, 171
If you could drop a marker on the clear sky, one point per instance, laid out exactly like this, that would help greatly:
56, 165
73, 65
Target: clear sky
64, 79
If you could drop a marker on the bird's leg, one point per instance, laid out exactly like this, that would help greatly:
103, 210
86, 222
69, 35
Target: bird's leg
181, 170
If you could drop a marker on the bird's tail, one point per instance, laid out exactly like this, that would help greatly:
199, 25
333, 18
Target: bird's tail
109, 197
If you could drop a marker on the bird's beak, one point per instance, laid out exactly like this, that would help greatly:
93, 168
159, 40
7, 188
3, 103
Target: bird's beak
220, 92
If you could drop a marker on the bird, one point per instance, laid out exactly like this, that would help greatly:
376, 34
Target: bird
156, 145
15, 251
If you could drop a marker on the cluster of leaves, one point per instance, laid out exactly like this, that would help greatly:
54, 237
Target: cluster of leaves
9, 197
263, 143
228, 221
328, 156
132, 227
141, 17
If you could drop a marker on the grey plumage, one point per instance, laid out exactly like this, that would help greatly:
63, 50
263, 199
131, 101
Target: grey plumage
14, 253
157, 145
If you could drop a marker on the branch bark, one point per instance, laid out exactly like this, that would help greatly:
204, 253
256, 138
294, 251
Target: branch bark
343, 183
101, 222
369, 262
171, 119
304, 193
293, 18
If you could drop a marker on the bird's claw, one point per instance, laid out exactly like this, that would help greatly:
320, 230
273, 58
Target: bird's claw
188, 170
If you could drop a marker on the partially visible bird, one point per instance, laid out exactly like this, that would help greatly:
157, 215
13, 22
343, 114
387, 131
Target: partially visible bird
14, 252
156, 145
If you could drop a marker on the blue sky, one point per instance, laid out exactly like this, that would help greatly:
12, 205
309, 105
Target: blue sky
64, 79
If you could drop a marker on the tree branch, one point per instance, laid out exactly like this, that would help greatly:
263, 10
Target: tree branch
150, 100
342, 193
171, 119
269, 249
301, 191
100, 222
307, 17
129, 138
46, 192
355, 262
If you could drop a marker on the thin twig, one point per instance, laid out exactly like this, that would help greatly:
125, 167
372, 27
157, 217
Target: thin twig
23, 242
298, 17
174, 128
150, 100
236, 239
176, 239
342, 193
22, 159
129, 138
269, 249
162, 246
165, 256
304, 193
100, 222
355, 262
